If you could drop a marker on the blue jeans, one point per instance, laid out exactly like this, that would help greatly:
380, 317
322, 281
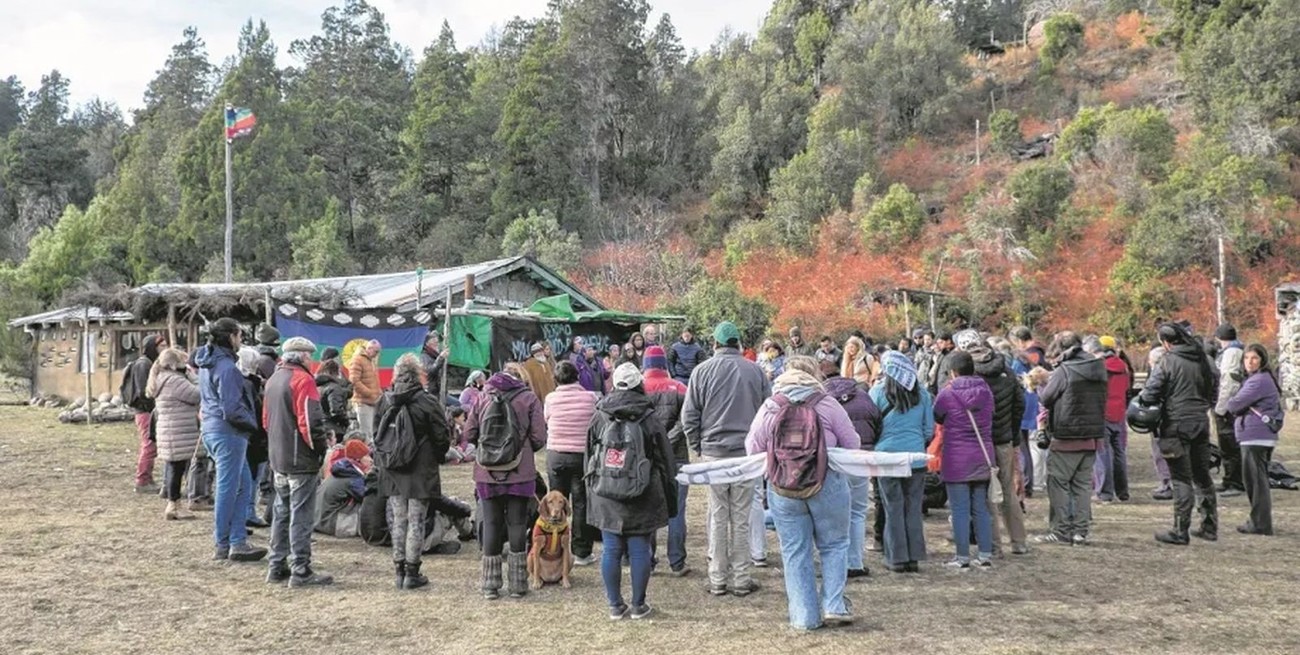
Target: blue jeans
904, 531
637, 547
677, 532
821, 522
1110, 470
234, 487
963, 496
292, 521
860, 497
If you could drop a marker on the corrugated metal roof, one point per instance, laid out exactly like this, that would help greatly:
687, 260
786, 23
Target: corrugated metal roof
71, 314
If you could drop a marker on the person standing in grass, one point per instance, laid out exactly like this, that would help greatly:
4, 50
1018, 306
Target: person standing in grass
297, 440
815, 515
176, 400
568, 411
853, 396
411, 488
907, 426
1008, 409
1258, 409
227, 420
668, 396
1185, 385
965, 410
626, 515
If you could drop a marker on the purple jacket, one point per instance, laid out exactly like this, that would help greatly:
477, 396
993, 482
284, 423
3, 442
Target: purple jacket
591, 374
1260, 393
963, 461
837, 429
861, 409
528, 411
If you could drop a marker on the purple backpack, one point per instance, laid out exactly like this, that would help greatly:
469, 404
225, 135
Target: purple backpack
796, 452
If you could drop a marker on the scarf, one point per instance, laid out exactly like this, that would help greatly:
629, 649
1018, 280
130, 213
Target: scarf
900, 368
855, 463
793, 379
553, 531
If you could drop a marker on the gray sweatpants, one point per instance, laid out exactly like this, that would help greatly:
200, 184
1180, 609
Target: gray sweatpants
407, 528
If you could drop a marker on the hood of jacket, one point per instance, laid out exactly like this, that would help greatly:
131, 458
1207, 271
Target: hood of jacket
502, 383
625, 405
967, 388
323, 379
346, 468
405, 390
208, 355
1187, 351
841, 388
149, 347
1084, 366
988, 364
1115, 365
796, 385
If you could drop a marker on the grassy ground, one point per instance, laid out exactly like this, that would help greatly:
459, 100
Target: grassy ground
87, 566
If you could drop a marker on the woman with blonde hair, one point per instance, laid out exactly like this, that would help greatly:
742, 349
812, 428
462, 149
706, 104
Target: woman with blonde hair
858, 363
176, 420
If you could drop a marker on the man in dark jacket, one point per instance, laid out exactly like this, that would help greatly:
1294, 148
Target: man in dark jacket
268, 339
1075, 398
722, 399
1008, 409
411, 489
335, 395
1185, 385
940, 368
433, 358
797, 345
297, 440
684, 356
134, 381
668, 396
828, 352
1232, 373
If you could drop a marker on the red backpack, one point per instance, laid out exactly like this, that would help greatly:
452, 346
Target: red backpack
796, 452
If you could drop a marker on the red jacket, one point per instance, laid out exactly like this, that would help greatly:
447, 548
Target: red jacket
295, 424
1117, 389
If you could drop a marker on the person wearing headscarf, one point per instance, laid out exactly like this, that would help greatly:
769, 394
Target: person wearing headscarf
907, 426
473, 391
817, 523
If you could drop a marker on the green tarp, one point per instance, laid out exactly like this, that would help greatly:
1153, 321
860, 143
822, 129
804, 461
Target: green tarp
470, 340
560, 306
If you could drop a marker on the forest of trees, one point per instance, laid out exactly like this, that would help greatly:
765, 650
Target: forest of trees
592, 127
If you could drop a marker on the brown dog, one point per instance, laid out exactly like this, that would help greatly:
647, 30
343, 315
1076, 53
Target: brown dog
550, 559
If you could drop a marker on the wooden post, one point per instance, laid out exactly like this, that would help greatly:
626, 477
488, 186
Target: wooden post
446, 334
266, 302
977, 142
469, 288
85, 354
171, 325
1220, 285
907, 313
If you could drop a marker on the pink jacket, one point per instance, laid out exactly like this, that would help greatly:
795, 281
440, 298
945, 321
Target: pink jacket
568, 414
837, 428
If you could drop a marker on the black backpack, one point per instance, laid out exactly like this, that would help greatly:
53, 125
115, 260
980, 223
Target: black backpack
133, 395
500, 438
619, 469
395, 440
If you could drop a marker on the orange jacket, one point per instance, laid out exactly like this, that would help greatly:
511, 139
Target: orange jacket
365, 380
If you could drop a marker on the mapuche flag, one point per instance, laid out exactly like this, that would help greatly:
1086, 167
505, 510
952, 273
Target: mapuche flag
348, 330
239, 121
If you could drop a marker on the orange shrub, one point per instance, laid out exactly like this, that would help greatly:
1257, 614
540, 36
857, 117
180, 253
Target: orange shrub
1132, 28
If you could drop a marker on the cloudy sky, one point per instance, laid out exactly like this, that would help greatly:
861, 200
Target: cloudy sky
112, 48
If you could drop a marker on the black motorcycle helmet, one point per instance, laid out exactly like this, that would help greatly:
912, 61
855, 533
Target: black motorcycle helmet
1142, 418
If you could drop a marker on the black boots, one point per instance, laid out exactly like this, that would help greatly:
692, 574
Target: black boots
413, 578
1172, 538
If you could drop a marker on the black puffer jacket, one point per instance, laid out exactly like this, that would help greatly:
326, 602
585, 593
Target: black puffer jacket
335, 393
1075, 396
652, 510
1008, 395
420, 480
1185, 384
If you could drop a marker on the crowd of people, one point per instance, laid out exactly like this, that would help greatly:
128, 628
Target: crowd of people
980, 420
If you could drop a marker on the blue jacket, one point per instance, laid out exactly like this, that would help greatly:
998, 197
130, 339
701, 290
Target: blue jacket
683, 358
1029, 422
904, 432
223, 404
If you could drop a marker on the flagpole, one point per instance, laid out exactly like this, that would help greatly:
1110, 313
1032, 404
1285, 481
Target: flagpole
230, 210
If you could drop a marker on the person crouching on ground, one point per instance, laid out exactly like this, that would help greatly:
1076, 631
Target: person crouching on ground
297, 441
965, 410
227, 420
809, 502
907, 426
1258, 408
409, 488
504, 489
176, 410
625, 435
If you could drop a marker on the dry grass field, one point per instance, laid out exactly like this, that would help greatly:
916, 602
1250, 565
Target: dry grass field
88, 566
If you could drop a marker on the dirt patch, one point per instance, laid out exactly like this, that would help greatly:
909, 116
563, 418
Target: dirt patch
90, 567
